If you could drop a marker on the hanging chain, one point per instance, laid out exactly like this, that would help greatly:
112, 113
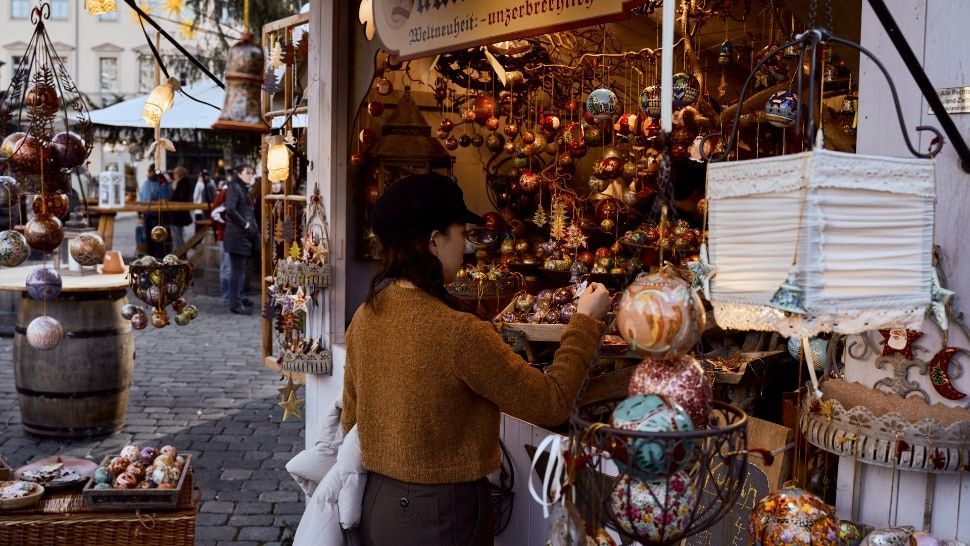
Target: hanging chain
813, 11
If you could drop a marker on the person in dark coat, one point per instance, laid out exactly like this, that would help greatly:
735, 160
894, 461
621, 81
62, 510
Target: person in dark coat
155, 189
242, 236
181, 192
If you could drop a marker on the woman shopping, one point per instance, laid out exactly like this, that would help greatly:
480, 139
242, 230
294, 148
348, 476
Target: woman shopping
426, 384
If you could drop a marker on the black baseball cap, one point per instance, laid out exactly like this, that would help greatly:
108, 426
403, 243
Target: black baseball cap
417, 205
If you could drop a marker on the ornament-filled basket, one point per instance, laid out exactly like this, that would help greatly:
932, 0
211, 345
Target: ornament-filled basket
311, 276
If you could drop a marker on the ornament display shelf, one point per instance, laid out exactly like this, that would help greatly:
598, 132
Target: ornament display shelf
716, 455
889, 440
310, 276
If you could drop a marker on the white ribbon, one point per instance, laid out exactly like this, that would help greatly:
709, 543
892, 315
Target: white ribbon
555, 469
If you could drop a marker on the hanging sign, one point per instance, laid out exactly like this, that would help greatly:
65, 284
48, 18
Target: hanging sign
419, 28
956, 100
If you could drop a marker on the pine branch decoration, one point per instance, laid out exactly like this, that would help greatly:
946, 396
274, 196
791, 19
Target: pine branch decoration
540, 216
275, 55
557, 228
270, 84
303, 48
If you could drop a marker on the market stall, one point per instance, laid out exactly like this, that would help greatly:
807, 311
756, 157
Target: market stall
552, 124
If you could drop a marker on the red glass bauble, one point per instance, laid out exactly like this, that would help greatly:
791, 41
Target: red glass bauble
509, 148
586, 257
440, 133
492, 124
528, 137
608, 208
627, 124
468, 116
440, 93
484, 108
530, 181
464, 141
42, 100
69, 150
511, 129
572, 105
477, 140
54, 204
367, 136
578, 151
565, 161
372, 193
493, 220
44, 232
602, 252
375, 108
551, 124
446, 125
451, 143
384, 86
610, 167
356, 160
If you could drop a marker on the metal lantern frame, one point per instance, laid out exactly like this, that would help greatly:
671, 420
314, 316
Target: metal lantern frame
41, 67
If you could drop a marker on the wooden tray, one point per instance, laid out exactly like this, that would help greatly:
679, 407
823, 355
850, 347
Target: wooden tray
532, 332
136, 499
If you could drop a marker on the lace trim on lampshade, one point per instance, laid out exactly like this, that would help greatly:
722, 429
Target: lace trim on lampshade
745, 316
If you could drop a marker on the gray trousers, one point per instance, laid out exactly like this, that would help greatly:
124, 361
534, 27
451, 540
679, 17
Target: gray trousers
397, 513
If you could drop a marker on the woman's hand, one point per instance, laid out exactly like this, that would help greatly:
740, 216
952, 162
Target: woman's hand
594, 302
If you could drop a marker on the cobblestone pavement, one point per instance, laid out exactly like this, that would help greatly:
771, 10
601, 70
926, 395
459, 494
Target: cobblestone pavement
202, 389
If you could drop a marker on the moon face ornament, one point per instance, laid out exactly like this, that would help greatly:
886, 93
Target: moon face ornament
939, 373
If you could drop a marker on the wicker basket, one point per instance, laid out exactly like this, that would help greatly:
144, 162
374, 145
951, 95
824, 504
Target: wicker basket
66, 520
317, 363
311, 277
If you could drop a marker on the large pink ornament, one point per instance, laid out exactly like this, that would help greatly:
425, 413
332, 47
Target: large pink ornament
653, 511
793, 517
44, 333
660, 315
680, 379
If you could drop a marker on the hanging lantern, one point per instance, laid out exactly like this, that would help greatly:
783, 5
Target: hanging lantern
244, 78
781, 110
159, 101
98, 7
278, 159
782, 241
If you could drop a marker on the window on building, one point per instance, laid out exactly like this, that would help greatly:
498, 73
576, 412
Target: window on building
109, 74
14, 64
19, 9
59, 9
110, 16
146, 73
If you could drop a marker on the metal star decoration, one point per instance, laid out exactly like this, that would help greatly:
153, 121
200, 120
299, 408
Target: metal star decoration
300, 300
291, 406
940, 301
898, 340
701, 272
287, 389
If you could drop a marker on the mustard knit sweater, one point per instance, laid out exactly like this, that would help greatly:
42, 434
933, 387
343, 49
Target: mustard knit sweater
425, 385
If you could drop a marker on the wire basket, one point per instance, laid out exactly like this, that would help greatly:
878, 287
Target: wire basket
702, 476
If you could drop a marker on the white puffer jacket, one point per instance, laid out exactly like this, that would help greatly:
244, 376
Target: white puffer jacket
332, 475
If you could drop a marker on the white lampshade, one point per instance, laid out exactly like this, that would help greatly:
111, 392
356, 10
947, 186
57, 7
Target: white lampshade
98, 7
277, 159
860, 229
159, 101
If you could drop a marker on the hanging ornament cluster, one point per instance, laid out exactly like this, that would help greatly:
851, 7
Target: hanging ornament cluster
42, 98
159, 284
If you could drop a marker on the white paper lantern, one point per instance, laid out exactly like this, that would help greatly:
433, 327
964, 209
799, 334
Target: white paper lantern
111, 190
863, 227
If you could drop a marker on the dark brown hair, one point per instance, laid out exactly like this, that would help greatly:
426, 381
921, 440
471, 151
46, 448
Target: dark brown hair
412, 262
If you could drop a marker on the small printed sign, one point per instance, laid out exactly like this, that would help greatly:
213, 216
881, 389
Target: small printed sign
956, 100
417, 28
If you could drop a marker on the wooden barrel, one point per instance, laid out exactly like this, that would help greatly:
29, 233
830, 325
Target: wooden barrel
8, 312
80, 387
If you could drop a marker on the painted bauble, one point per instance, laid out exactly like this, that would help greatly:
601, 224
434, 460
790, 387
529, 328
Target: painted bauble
492, 124
654, 458
9, 190
660, 315
477, 140
130, 453
578, 151
530, 181
650, 100
468, 116
568, 310
702, 206
44, 232
511, 129
611, 167
192, 311
635, 508
159, 234
118, 465
367, 136
384, 86
686, 89
680, 379
128, 311
126, 481
54, 204
159, 317
375, 108
602, 104
42, 100
528, 137
725, 53
356, 160
781, 110
136, 470
565, 161
510, 148
484, 109
102, 475
793, 516
87, 249
650, 129
629, 171
922, 538
179, 304
608, 208
607, 225
627, 124
10, 143
599, 537
551, 124
13, 248
69, 149
168, 450
44, 333
182, 319
524, 303
494, 220
586, 257
890, 536
44, 283
27, 154
139, 321
594, 135
852, 533
495, 143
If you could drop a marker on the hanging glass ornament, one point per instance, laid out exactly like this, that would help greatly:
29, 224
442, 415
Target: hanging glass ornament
781, 110
686, 89
602, 104
650, 100
725, 53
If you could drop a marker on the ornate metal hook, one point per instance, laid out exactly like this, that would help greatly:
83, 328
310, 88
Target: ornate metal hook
42, 11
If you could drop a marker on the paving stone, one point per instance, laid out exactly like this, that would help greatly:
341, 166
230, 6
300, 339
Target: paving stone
260, 534
215, 532
218, 507
252, 520
279, 496
253, 508
236, 474
212, 519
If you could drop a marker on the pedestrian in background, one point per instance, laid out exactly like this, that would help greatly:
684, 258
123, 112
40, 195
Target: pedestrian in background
154, 189
205, 192
219, 227
242, 236
182, 191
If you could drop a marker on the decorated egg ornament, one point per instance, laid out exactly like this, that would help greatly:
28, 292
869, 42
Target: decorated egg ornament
793, 517
660, 315
680, 379
653, 511
602, 104
653, 459
44, 333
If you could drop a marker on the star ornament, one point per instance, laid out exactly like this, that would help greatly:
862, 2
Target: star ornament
941, 298
291, 406
701, 272
287, 389
899, 340
300, 300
